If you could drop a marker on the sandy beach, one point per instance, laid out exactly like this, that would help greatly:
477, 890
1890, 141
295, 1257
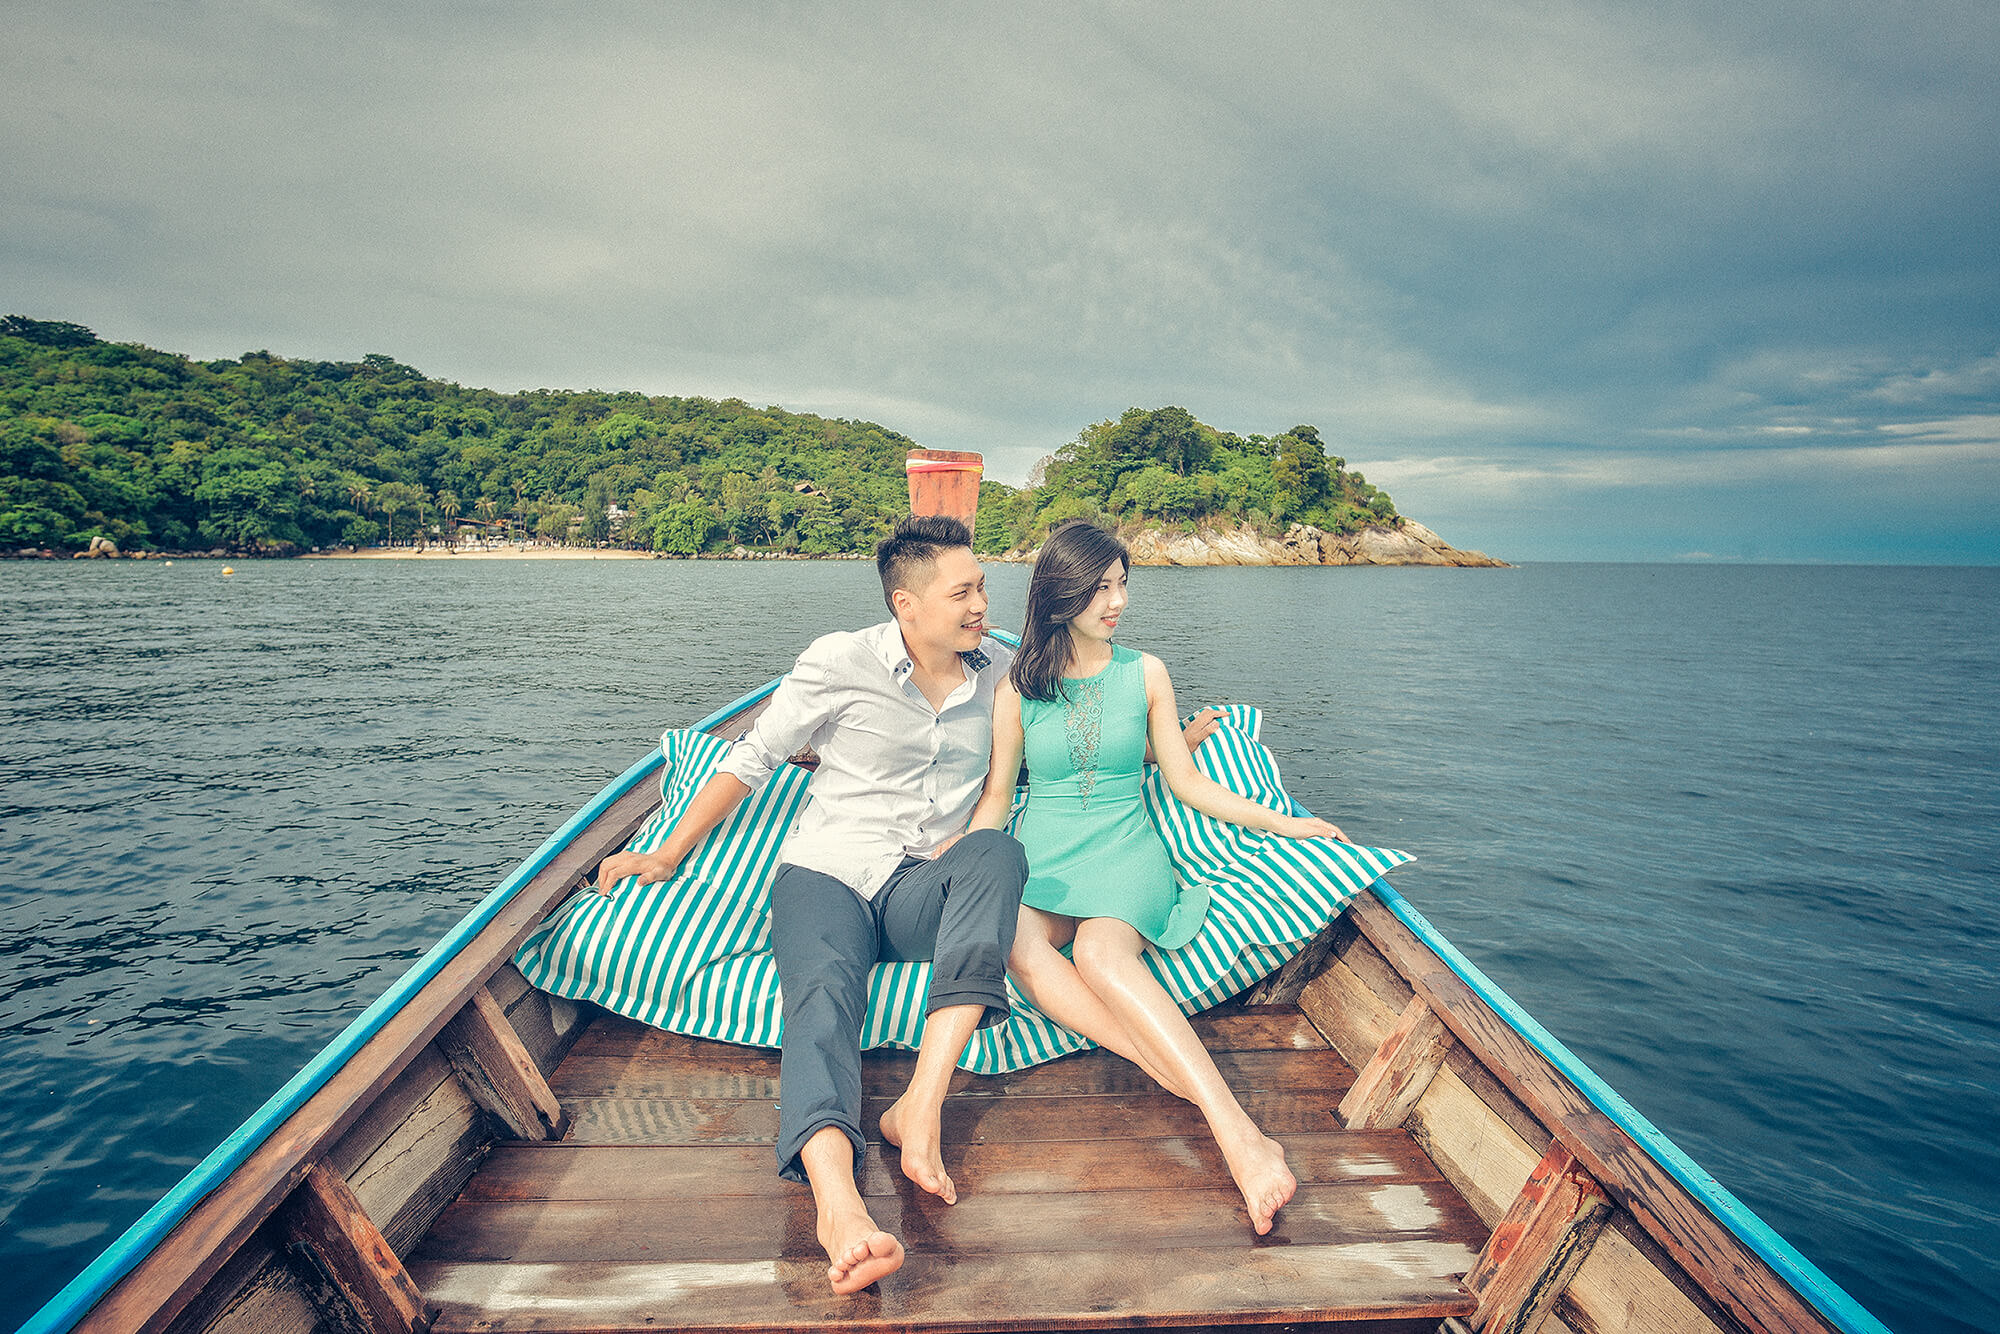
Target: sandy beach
508, 552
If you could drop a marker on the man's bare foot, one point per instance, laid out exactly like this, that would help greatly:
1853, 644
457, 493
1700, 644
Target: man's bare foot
857, 1252
922, 1141
1267, 1184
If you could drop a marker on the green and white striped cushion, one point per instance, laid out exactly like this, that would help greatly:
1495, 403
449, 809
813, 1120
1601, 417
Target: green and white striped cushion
693, 955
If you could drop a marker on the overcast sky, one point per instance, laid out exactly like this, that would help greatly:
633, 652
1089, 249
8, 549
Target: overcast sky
1571, 281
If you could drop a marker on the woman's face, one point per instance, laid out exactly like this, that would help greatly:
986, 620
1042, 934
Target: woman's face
1099, 621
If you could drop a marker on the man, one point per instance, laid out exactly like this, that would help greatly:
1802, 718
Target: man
878, 867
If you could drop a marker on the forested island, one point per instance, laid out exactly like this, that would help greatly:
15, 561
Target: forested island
116, 443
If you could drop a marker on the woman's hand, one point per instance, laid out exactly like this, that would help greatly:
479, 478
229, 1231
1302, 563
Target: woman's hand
1307, 826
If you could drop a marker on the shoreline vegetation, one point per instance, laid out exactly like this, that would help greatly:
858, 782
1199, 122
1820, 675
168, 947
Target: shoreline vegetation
112, 450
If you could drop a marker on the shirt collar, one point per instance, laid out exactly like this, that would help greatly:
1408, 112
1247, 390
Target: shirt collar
895, 654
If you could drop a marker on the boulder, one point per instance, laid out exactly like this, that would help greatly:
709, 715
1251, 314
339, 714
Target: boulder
1408, 543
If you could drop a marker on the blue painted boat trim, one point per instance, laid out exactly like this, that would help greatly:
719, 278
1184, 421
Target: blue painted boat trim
1828, 1297
62, 1311
70, 1305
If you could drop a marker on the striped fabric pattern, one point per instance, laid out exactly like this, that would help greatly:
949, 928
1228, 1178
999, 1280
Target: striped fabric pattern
693, 955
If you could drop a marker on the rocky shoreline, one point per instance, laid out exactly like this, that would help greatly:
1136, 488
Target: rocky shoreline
1406, 543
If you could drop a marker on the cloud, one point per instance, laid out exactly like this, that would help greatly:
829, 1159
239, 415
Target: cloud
1447, 236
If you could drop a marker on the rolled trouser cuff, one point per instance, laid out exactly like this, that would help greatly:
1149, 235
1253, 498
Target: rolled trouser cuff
789, 1149
997, 1005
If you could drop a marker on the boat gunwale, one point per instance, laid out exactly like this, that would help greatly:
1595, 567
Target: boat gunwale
78, 1301
75, 1303
1825, 1297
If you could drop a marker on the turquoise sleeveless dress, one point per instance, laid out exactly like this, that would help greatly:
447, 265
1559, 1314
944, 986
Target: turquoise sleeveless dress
1093, 850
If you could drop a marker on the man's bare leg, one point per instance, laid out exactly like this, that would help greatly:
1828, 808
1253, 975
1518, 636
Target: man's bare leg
1107, 954
1060, 992
857, 1252
912, 1122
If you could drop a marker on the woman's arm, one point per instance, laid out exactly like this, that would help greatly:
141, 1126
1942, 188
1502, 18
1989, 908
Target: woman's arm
1204, 794
996, 803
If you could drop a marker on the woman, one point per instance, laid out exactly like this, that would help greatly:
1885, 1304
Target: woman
1082, 710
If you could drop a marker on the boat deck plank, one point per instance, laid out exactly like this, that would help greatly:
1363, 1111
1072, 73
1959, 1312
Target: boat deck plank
1087, 1200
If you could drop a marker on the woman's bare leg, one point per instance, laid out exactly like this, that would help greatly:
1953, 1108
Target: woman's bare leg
1108, 962
1053, 984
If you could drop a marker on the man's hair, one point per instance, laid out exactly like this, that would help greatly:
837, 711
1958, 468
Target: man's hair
905, 556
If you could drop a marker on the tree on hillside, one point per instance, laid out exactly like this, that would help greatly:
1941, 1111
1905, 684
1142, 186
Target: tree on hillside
1300, 471
248, 501
393, 498
597, 502
49, 333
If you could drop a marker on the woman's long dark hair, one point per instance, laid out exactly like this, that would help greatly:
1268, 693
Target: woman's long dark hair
1067, 572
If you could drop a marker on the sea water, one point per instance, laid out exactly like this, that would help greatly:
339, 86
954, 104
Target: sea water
1728, 832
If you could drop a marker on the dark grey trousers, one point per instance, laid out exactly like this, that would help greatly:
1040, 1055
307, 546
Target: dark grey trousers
958, 911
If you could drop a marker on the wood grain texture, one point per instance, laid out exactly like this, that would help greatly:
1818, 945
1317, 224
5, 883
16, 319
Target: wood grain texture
1071, 1290
981, 1224
1538, 1246
1618, 1290
1283, 987
1398, 1073
1477, 1151
257, 1292
494, 1066
726, 1074
1072, 1189
1346, 1010
548, 1024
615, 1120
325, 1218
1715, 1258
409, 1090
1228, 1029
1365, 957
420, 1168
746, 1172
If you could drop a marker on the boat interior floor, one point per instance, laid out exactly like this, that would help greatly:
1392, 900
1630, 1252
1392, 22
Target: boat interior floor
1087, 1198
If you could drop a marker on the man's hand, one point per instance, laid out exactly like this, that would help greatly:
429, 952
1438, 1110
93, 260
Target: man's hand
1201, 727
650, 867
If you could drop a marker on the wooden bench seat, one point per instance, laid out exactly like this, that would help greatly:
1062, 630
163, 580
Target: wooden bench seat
1087, 1199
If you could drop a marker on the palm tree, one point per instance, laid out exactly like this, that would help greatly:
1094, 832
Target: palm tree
486, 507
447, 503
393, 496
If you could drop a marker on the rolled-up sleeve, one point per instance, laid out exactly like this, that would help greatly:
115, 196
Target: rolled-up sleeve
801, 703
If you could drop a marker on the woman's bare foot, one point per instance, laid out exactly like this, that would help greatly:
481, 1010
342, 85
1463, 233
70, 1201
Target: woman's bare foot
1258, 1164
857, 1252
922, 1141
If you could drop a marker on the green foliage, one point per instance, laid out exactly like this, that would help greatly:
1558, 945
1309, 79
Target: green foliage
49, 333
684, 528
265, 453
1162, 465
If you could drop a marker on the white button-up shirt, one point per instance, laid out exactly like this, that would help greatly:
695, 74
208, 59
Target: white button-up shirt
896, 777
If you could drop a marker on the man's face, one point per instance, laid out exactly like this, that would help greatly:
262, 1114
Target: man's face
946, 611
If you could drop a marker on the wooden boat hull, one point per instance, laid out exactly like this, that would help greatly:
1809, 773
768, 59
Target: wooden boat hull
301, 1219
